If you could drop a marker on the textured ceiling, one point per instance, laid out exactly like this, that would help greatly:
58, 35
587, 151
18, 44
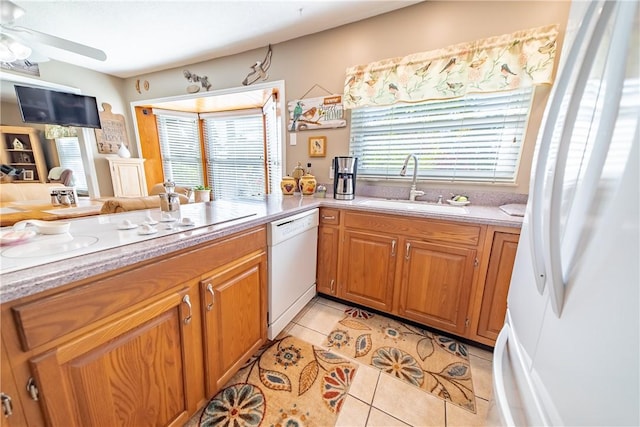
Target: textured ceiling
142, 36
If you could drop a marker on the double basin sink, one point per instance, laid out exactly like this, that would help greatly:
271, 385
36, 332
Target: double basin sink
408, 206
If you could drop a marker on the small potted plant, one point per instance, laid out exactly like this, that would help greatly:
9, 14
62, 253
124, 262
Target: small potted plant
201, 193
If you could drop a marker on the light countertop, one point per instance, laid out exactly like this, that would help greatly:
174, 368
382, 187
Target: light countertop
97, 244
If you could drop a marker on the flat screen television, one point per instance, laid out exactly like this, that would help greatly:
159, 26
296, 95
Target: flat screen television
38, 105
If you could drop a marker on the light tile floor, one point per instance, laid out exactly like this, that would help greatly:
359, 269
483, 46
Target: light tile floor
380, 400
377, 399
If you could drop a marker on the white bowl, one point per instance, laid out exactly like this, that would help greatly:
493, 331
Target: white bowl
44, 227
456, 203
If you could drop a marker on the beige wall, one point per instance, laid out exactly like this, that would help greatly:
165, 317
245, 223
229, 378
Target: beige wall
104, 87
323, 57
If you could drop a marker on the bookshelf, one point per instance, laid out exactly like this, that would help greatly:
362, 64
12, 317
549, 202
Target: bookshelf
21, 149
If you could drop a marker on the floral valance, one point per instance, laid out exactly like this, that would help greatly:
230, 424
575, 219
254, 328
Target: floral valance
506, 62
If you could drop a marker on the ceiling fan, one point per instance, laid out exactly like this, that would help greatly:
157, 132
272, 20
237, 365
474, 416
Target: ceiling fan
20, 43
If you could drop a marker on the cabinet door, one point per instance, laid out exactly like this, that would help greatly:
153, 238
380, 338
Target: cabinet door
327, 269
234, 303
132, 372
12, 413
436, 284
367, 269
494, 299
128, 178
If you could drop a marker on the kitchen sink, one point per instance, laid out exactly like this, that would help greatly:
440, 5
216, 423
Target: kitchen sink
402, 205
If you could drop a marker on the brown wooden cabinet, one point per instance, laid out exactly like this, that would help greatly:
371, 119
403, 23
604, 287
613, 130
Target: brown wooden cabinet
234, 301
128, 347
368, 265
328, 247
21, 150
133, 371
12, 412
491, 308
436, 284
419, 269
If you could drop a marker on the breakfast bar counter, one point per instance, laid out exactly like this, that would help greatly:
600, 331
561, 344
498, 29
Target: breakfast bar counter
103, 243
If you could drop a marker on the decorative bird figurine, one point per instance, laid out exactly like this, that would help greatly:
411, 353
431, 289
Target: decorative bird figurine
259, 69
450, 64
194, 78
504, 69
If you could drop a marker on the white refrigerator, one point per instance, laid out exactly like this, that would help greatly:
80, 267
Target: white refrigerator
569, 352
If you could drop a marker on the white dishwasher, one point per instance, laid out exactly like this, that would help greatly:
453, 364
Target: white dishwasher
293, 243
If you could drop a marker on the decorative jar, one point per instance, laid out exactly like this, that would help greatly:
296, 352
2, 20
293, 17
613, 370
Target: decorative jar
307, 184
288, 185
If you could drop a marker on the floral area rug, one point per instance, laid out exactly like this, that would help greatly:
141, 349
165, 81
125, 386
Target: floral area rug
435, 363
289, 382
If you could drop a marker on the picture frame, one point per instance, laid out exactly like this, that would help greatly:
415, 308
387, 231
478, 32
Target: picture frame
27, 175
317, 146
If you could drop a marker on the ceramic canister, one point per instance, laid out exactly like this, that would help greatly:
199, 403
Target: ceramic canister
288, 185
307, 184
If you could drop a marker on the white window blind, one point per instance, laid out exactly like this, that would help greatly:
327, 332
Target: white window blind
180, 148
71, 158
474, 138
235, 153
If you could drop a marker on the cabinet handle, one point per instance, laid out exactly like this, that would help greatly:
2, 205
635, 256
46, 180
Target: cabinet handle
187, 301
330, 217
213, 296
331, 285
32, 388
393, 248
7, 405
408, 247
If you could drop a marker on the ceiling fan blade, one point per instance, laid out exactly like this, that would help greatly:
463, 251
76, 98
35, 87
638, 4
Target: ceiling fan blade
32, 36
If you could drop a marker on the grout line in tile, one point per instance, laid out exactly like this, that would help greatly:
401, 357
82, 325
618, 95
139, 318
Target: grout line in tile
446, 422
388, 414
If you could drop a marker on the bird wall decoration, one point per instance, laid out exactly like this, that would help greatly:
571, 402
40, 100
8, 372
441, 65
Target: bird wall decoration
194, 78
259, 69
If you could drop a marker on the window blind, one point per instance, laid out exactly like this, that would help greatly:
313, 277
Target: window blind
474, 138
71, 158
235, 154
180, 148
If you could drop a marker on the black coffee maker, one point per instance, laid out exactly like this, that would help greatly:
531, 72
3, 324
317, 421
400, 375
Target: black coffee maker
344, 177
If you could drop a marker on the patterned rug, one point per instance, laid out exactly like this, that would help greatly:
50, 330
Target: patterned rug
288, 382
435, 363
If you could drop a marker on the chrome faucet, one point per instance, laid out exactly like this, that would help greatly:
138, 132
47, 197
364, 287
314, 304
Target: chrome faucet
413, 193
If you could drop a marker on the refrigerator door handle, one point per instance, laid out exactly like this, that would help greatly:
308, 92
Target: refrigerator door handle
577, 231
556, 277
498, 377
551, 116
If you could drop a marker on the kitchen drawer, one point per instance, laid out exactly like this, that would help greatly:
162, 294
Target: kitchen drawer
329, 216
44, 320
426, 229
